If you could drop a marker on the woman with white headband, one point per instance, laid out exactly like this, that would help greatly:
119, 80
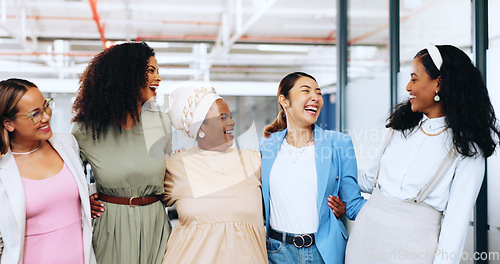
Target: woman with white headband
216, 189
428, 171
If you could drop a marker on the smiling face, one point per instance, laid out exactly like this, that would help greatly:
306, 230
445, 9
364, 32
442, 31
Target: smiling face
218, 127
23, 129
304, 103
422, 91
153, 80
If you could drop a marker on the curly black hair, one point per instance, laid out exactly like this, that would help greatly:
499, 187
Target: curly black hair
110, 87
465, 101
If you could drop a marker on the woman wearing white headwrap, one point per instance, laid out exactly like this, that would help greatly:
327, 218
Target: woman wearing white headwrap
216, 188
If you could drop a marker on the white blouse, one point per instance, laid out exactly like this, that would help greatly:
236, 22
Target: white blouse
293, 191
407, 165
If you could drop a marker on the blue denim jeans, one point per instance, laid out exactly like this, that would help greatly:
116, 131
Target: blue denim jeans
278, 252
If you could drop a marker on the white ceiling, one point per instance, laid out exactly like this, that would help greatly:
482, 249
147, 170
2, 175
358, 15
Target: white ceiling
220, 40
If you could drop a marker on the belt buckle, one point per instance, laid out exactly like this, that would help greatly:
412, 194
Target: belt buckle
130, 201
310, 237
303, 241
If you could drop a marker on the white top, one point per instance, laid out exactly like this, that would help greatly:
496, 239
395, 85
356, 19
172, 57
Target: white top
293, 191
408, 164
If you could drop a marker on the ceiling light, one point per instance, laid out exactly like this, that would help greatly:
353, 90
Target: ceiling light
311, 26
288, 48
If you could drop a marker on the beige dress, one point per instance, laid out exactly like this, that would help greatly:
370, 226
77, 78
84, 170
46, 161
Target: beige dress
219, 202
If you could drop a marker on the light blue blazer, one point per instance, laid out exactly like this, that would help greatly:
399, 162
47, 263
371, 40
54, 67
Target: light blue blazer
13, 206
337, 175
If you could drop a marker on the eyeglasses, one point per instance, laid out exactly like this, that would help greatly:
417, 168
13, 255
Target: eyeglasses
37, 115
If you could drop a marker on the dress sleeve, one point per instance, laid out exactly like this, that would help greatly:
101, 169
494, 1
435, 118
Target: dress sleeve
168, 185
76, 132
349, 190
366, 177
464, 189
256, 162
168, 134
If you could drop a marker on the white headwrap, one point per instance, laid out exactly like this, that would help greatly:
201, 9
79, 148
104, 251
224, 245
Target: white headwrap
435, 55
189, 107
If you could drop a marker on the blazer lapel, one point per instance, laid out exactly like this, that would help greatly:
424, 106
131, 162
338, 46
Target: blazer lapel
11, 181
324, 153
269, 150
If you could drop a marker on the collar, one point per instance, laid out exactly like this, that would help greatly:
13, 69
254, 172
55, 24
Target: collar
433, 124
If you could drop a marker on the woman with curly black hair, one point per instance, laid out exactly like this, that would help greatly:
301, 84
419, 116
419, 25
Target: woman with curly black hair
115, 139
429, 169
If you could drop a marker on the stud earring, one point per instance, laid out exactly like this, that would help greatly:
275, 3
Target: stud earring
437, 98
201, 134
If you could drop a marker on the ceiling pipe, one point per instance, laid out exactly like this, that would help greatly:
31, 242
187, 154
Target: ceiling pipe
69, 54
3, 11
122, 21
97, 19
226, 46
256, 39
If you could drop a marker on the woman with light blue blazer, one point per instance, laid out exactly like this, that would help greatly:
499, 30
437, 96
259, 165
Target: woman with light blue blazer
303, 168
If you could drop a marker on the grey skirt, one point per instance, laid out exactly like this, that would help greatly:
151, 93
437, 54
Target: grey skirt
388, 230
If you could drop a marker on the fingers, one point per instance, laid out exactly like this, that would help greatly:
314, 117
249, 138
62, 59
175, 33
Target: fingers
175, 152
335, 201
96, 207
94, 211
338, 207
334, 205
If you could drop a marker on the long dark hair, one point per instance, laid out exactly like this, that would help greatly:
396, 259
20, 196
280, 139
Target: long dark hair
11, 91
465, 101
110, 87
285, 86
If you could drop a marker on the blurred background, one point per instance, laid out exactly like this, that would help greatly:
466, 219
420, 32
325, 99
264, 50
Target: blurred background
244, 48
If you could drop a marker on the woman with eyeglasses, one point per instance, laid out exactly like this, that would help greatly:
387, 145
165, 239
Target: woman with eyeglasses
39, 169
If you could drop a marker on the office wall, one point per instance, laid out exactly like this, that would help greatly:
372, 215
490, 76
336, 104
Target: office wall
493, 84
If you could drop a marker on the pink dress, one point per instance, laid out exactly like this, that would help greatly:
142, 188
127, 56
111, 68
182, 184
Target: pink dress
53, 220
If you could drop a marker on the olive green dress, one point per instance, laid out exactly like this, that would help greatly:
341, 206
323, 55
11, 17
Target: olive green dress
126, 164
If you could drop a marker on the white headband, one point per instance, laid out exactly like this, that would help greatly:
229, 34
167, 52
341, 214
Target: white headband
435, 55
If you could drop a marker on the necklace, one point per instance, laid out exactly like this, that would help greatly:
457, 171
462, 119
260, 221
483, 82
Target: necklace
297, 152
303, 145
29, 152
429, 134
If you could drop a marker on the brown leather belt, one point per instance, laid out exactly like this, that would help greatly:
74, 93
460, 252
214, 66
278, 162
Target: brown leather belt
132, 201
